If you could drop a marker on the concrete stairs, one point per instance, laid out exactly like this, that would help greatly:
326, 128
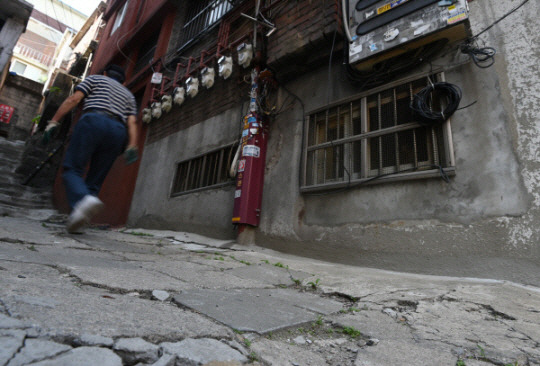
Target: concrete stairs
16, 199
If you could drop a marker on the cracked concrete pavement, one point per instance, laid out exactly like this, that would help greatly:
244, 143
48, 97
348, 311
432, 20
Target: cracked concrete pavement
140, 297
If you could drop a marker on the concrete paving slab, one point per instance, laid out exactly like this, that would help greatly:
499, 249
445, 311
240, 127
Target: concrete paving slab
10, 346
81, 310
53, 255
396, 352
29, 232
55, 286
258, 310
84, 356
184, 237
202, 275
37, 350
133, 350
129, 279
202, 351
269, 274
274, 353
98, 241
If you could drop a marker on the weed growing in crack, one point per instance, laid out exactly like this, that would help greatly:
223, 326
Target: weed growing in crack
279, 264
314, 285
351, 332
460, 362
352, 309
240, 260
32, 248
482, 352
319, 321
247, 342
296, 281
253, 357
265, 261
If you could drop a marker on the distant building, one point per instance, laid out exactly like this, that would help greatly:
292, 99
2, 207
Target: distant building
45, 44
13, 20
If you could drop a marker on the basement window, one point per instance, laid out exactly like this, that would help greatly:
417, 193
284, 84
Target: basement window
374, 138
210, 170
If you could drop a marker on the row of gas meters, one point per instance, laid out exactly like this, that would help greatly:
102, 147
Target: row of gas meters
192, 84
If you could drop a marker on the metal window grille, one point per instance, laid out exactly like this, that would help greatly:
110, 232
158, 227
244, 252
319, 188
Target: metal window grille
202, 15
210, 170
374, 138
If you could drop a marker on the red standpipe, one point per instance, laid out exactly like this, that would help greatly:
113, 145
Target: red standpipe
250, 176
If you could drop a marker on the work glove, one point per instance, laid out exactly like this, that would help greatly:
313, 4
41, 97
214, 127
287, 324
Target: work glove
50, 130
131, 155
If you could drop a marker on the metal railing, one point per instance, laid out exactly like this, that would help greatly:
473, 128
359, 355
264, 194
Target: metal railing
201, 16
33, 54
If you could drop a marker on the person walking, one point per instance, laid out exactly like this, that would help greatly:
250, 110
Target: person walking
107, 127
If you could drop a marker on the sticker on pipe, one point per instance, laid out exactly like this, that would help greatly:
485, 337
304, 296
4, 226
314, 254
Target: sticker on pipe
241, 165
251, 150
237, 193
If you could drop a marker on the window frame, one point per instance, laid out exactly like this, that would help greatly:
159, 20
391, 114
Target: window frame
227, 153
119, 18
358, 108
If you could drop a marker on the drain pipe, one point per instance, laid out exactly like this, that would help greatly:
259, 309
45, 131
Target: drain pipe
345, 20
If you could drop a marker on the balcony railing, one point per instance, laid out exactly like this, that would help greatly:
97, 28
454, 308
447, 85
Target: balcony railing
33, 54
201, 16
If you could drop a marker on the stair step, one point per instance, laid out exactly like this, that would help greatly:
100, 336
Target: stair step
17, 199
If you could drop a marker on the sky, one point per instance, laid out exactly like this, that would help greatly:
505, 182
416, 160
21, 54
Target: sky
84, 6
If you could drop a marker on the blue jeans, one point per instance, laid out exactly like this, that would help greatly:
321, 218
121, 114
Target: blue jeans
97, 140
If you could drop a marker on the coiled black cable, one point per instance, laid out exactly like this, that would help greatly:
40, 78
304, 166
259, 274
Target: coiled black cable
423, 102
482, 57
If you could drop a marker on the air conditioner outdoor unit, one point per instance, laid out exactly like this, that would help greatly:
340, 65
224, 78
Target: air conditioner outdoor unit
383, 29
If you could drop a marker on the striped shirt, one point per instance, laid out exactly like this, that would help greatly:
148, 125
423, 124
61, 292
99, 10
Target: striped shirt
102, 92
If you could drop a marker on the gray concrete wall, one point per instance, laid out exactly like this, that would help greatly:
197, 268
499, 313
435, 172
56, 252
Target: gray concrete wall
488, 210
208, 211
25, 96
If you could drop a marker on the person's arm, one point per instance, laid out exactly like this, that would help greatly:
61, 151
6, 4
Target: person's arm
132, 151
67, 105
133, 132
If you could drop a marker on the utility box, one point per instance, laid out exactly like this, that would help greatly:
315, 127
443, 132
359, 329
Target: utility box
384, 29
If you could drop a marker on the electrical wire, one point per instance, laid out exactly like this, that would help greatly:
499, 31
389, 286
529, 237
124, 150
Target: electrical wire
482, 57
422, 103
501, 18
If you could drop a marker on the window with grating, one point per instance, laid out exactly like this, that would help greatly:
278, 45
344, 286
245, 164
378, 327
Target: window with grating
375, 138
210, 170
201, 15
